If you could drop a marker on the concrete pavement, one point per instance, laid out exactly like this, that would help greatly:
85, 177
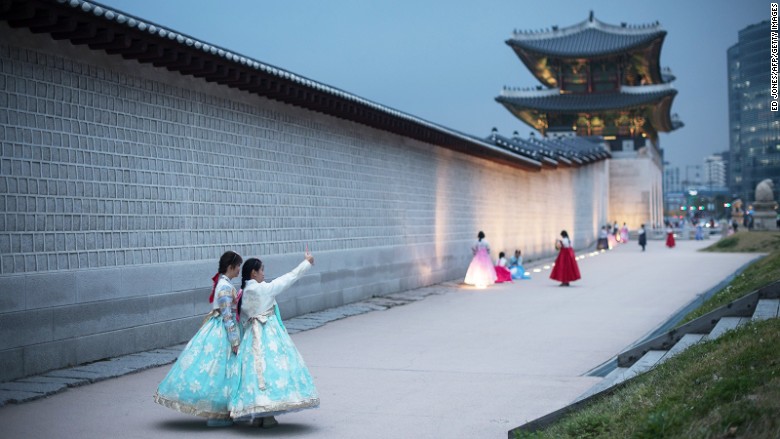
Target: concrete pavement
462, 363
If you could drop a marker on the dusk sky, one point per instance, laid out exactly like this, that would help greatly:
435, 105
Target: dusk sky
446, 61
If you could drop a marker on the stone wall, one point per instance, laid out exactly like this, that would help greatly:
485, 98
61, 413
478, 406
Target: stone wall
121, 184
636, 189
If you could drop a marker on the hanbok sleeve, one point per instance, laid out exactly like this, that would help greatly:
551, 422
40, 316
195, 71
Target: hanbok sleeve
283, 282
225, 302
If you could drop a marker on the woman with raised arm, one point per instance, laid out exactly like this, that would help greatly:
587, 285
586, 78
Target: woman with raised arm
274, 378
200, 381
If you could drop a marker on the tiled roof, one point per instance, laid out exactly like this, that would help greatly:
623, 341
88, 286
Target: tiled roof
117, 33
554, 100
588, 38
551, 152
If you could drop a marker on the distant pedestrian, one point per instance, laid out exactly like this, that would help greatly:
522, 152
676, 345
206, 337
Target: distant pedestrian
603, 241
566, 269
670, 236
642, 237
481, 272
206, 370
624, 233
274, 378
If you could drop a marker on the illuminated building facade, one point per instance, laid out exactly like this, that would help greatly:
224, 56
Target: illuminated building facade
598, 79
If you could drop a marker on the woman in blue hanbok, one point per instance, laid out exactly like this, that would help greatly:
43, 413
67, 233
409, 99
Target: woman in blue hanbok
274, 378
516, 266
201, 380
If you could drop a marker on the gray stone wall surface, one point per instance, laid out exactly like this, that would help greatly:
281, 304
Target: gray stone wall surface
121, 184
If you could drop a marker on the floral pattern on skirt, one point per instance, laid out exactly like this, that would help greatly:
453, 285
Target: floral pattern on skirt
204, 376
285, 384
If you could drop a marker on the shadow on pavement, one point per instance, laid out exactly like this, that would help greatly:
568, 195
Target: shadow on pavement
196, 425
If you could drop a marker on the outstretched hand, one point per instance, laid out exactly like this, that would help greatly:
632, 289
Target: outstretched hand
309, 257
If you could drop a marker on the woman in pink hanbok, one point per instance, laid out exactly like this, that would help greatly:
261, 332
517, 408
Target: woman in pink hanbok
624, 233
481, 272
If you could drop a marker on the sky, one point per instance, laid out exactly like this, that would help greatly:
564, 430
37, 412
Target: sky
446, 60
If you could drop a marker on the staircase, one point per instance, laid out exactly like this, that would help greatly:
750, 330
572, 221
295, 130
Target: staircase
759, 305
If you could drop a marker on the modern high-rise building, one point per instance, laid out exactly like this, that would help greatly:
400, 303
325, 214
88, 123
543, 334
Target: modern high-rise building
754, 130
672, 181
714, 172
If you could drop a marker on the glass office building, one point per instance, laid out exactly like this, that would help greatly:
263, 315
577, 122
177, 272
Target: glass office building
754, 130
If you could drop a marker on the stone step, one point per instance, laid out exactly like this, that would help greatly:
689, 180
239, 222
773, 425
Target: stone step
647, 362
615, 377
766, 309
686, 341
725, 324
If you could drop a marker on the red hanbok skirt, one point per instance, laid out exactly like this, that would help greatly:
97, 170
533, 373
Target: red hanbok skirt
670, 240
503, 274
566, 268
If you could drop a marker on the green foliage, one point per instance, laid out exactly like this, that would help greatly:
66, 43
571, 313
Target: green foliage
763, 272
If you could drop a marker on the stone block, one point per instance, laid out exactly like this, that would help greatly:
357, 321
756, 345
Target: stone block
100, 284
25, 328
13, 294
189, 276
50, 289
99, 317
69, 382
171, 306
11, 364
167, 333
35, 387
105, 345
17, 397
48, 356
145, 280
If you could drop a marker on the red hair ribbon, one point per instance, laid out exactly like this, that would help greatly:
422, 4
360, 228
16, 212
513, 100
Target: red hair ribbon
215, 279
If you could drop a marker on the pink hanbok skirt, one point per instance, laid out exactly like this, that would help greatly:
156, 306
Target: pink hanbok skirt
481, 272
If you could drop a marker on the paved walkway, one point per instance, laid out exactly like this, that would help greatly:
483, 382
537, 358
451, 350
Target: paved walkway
460, 363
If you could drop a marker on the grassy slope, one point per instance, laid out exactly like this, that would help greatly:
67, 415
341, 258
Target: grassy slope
729, 387
765, 271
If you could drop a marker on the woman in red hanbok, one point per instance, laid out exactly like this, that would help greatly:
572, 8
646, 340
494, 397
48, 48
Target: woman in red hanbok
670, 237
566, 269
502, 273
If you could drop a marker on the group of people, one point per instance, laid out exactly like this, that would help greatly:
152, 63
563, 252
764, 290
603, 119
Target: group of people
610, 235
482, 273
241, 365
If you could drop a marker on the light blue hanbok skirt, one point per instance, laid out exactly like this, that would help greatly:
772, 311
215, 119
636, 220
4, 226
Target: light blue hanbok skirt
518, 272
204, 376
273, 377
